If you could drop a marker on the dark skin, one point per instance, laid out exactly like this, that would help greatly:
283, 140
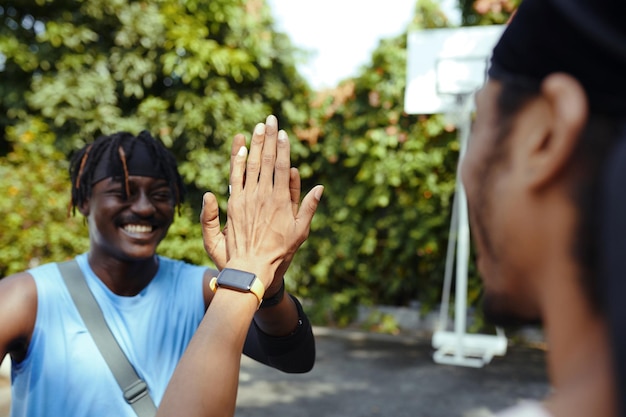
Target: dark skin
124, 261
125, 232
18, 309
524, 226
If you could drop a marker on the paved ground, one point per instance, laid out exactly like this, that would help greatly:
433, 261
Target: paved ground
359, 375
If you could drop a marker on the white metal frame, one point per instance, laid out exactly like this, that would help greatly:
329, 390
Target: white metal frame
445, 68
458, 347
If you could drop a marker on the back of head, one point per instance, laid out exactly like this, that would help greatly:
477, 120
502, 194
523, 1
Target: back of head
119, 156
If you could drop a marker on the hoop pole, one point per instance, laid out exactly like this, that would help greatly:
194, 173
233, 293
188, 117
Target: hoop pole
462, 253
447, 280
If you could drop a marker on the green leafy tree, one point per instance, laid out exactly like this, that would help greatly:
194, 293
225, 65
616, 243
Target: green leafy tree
192, 72
486, 12
38, 226
379, 235
34, 208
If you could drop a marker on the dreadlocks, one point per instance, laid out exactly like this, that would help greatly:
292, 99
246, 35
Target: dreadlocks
120, 155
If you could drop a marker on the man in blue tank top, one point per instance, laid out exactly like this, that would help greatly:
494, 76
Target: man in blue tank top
128, 188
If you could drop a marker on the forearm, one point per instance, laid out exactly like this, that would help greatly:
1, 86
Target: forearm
265, 227
206, 379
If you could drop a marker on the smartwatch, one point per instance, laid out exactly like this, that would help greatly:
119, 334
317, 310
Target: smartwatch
237, 280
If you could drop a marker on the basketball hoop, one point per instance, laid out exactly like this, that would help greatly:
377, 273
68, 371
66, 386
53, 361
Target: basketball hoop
445, 68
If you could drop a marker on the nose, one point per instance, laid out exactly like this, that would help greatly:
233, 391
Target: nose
142, 205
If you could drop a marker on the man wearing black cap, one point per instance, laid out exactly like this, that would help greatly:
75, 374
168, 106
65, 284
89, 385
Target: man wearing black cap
549, 124
545, 175
128, 188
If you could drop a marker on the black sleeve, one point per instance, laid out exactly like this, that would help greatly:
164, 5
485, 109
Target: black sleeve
294, 353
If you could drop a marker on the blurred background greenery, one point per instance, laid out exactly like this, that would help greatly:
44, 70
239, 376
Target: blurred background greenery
194, 73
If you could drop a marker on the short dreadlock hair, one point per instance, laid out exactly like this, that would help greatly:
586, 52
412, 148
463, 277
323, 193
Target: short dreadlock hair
119, 147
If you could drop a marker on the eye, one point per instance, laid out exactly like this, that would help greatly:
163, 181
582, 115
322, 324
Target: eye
162, 194
115, 192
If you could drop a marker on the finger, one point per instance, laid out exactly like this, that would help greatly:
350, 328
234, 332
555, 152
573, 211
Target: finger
294, 189
212, 235
238, 171
282, 166
268, 159
254, 159
238, 141
307, 210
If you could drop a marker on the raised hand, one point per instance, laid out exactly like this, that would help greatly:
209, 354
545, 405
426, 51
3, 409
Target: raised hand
266, 221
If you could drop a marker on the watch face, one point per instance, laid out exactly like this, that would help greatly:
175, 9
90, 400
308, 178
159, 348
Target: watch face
235, 279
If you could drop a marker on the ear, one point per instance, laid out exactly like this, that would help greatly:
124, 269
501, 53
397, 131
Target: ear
84, 208
564, 106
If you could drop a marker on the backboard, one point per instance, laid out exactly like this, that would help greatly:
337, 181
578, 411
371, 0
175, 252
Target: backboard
445, 63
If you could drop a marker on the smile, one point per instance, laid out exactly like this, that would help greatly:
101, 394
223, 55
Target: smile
137, 228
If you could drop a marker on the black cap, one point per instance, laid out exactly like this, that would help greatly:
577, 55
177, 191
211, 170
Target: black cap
139, 160
584, 38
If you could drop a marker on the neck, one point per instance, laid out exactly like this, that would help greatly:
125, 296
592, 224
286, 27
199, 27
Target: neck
579, 354
123, 277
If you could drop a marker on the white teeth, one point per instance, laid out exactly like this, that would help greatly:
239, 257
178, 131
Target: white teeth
137, 228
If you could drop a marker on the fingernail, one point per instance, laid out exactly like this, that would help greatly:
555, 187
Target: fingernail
259, 129
271, 120
282, 135
242, 151
318, 192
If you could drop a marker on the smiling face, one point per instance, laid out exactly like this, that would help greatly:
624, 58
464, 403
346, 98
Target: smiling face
129, 228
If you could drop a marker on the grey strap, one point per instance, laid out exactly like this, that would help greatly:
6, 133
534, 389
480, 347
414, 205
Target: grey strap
134, 388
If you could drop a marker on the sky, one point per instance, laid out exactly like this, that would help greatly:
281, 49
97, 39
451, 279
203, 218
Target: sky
340, 35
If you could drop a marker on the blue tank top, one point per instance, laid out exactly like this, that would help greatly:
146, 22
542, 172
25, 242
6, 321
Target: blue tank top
64, 374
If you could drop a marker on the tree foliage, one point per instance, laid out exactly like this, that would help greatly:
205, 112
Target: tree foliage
196, 72
35, 225
379, 235
486, 12
192, 72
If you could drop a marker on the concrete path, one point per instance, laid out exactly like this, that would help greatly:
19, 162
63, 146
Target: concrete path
362, 375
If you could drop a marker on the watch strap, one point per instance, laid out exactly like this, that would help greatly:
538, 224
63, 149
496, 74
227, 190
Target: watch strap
257, 288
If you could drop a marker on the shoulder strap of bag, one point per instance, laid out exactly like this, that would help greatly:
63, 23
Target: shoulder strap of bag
134, 388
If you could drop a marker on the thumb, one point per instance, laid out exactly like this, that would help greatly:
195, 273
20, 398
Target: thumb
210, 221
308, 209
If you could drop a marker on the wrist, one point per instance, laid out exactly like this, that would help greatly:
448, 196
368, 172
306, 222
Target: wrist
234, 303
239, 281
260, 268
272, 299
